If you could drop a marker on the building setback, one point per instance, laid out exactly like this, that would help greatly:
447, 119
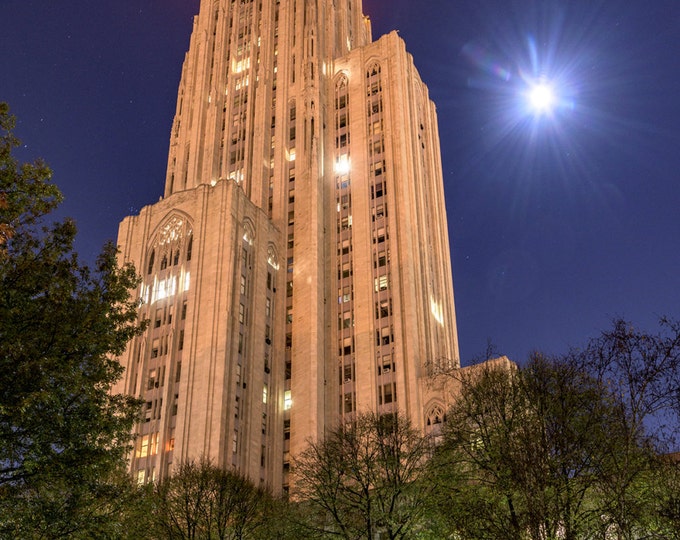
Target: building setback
296, 270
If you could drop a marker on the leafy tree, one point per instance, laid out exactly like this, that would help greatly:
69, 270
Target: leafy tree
566, 447
203, 501
63, 435
366, 478
26, 193
527, 452
665, 494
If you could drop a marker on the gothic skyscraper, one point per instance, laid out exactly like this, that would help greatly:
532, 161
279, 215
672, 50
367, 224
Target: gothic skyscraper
296, 270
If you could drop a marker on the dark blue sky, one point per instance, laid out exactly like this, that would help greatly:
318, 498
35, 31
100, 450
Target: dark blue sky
558, 223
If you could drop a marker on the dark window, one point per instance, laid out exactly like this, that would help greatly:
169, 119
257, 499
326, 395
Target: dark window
151, 260
189, 247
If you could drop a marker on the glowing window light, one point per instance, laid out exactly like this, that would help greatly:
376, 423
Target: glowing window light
287, 400
342, 165
166, 288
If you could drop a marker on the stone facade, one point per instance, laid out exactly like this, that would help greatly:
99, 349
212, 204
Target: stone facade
297, 269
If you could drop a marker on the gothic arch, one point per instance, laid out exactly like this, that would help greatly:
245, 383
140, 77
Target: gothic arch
373, 68
272, 256
435, 415
176, 224
341, 80
248, 231
168, 240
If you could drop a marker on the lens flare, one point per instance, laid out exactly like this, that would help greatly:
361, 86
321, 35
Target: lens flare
542, 98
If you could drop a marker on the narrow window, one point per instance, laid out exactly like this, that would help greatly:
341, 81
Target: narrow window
151, 261
189, 247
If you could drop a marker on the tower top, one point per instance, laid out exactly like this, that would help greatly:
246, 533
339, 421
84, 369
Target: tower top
241, 54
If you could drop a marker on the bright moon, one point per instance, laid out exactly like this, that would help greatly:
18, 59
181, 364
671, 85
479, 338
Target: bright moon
541, 98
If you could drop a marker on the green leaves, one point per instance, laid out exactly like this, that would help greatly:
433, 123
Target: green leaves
63, 436
559, 448
26, 193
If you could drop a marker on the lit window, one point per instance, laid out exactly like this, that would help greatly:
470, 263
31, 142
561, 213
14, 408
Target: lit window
165, 288
153, 444
287, 400
264, 393
342, 165
143, 448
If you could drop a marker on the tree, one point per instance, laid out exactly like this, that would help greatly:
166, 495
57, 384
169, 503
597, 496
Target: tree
26, 193
365, 478
527, 452
566, 447
63, 435
203, 501
665, 494
642, 370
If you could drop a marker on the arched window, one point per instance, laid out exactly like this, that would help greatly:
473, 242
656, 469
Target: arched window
435, 416
248, 232
373, 70
272, 258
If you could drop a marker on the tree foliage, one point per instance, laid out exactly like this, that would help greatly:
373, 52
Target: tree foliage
202, 501
26, 193
365, 478
562, 447
63, 435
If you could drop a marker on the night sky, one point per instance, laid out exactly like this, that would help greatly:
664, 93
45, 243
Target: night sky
558, 221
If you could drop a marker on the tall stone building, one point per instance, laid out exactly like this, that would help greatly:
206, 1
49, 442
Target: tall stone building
296, 270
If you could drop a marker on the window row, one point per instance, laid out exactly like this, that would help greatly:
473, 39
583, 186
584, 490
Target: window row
171, 258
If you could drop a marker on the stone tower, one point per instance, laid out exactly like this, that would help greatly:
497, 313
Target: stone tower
297, 268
